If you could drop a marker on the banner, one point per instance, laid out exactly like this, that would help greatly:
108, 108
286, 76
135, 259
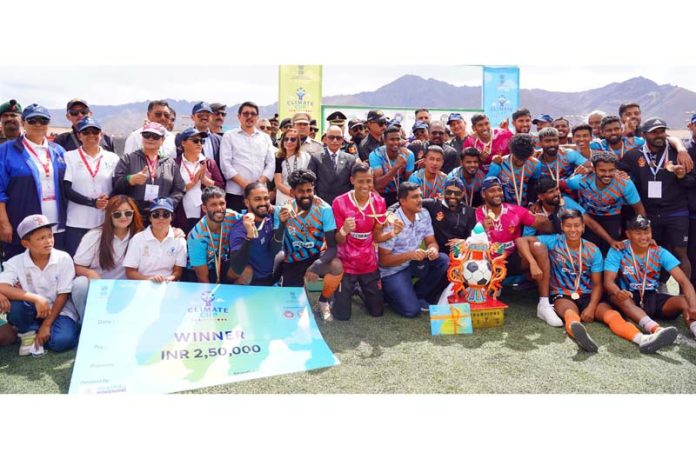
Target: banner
299, 90
501, 93
143, 337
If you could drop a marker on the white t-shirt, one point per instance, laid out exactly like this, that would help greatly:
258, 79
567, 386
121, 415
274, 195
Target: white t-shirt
152, 257
56, 278
80, 216
192, 198
49, 204
134, 142
87, 254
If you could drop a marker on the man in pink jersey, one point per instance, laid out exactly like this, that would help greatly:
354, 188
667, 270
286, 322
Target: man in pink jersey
360, 214
503, 223
489, 141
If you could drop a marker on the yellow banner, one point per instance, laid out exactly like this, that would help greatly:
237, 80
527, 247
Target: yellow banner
299, 91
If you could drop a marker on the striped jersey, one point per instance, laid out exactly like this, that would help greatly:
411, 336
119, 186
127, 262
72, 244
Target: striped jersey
629, 143
201, 249
564, 272
607, 201
434, 189
530, 170
304, 234
565, 162
380, 160
621, 262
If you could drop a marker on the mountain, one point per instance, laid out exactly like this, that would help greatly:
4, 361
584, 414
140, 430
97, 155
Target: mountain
668, 101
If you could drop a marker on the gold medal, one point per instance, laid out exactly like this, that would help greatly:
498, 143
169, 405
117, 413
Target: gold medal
562, 202
491, 215
575, 296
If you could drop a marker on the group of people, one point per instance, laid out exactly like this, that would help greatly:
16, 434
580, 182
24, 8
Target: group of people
599, 214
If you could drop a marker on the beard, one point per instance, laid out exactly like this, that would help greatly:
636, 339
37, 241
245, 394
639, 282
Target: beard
305, 203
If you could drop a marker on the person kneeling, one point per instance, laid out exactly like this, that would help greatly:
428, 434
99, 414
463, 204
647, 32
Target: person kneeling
40, 308
401, 258
255, 241
307, 224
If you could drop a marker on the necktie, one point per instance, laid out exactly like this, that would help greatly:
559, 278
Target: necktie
335, 161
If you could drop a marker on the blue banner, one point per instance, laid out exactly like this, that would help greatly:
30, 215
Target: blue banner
501, 93
143, 337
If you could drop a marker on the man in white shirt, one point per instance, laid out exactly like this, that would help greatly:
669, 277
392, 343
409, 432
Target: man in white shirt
246, 155
157, 112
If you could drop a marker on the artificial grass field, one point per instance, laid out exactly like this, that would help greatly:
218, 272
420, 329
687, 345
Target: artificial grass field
396, 355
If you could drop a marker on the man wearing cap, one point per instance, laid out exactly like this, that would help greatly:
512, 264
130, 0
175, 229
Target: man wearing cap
201, 115
31, 180
376, 124
10, 121
436, 136
301, 121
76, 111
273, 131
157, 112
420, 132
356, 129
333, 167
246, 155
542, 121
338, 119
458, 126
218, 119
663, 186
88, 183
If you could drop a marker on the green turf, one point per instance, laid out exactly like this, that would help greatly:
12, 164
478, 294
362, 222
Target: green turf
396, 355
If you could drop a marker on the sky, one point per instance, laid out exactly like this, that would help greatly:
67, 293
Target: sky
120, 84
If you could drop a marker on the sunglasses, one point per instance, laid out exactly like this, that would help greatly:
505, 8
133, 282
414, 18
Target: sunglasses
290, 139
151, 136
78, 112
161, 114
90, 131
122, 213
197, 141
381, 123
334, 137
39, 120
313, 129
220, 113
453, 192
437, 133
249, 114
163, 214
263, 128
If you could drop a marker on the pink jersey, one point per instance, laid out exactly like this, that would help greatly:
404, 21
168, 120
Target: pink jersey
499, 146
357, 253
508, 226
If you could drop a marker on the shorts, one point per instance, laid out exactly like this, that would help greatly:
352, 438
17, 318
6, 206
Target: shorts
293, 273
372, 295
581, 302
670, 231
653, 303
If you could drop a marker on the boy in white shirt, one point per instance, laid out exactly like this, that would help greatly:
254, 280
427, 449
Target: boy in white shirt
38, 284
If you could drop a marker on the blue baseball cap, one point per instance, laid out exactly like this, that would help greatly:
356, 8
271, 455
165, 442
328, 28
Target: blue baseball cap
543, 119
87, 123
419, 125
693, 118
201, 107
454, 117
190, 132
653, 123
35, 111
490, 182
161, 203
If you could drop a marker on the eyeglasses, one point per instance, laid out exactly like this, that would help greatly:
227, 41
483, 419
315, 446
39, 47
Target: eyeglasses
151, 136
161, 115
290, 139
334, 137
249, 114
90, 131
39, 120
84, 111
381, 123
122, 213
263, 128
220, 113
313, 129
163, 214
197, 141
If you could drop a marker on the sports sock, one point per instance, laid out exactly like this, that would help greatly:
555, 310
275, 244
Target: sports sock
649, 325
569, 317
544, 300
620, 327
331, 283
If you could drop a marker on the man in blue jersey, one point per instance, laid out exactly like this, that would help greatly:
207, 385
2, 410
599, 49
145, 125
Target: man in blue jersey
430, 178
556, 162
309, 224
391, 164
471, 175
602, 194
613, 139
517, 170
632, 277
576, 286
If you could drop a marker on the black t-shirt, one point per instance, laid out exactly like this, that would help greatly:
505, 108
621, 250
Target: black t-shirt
366, 147
69, 141
447, 224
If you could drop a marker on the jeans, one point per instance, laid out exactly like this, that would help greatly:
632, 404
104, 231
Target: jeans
64, 331
79, 295
407, 298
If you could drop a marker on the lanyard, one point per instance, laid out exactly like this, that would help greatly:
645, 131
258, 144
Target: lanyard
218, 252
188, 171
520, 192
94, 173
655, 170
431, 191
578, 276
645, 273
558, 169
152, 167
395, 179
47, 165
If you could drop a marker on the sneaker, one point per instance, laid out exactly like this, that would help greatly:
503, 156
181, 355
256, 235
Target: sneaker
26, 342
424, 306
325, 310
582, 338
656, 341
546, 313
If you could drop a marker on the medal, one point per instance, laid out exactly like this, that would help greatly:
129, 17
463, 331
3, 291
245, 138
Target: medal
561, 202
575, 296
519, 191
636, 265
491, 215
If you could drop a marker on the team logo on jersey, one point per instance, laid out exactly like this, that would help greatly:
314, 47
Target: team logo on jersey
641, 162
439, 216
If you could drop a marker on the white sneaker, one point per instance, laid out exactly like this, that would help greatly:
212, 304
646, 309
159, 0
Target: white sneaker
26, 342
325, 310
582, 338
546, 313
650, 344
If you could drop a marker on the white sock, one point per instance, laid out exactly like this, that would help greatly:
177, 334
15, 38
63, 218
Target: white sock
647, 324
544, 300
638, 338
693, 328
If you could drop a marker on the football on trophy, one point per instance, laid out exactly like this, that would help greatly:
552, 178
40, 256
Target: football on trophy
477, 272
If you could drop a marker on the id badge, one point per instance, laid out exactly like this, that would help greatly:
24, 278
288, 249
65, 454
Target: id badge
151, 192
48, 192
655, 189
